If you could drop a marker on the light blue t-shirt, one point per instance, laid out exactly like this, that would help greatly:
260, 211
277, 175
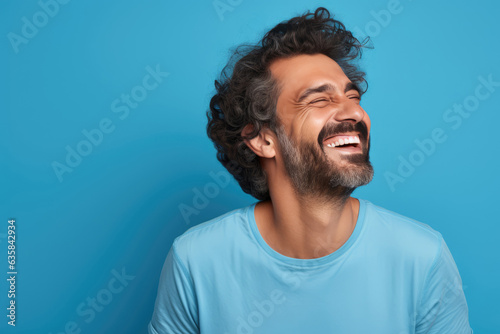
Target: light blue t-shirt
394, 275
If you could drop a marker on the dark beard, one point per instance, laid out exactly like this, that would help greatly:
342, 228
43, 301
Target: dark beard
314, 175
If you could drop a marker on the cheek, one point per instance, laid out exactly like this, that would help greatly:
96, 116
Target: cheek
306, 125
315, 124
311, 127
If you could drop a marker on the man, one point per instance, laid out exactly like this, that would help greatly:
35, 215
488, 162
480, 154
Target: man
307, 257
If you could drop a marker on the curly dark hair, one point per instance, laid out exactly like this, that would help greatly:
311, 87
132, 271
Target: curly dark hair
247, 93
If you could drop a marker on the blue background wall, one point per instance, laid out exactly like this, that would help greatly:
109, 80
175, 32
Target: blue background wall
115, 211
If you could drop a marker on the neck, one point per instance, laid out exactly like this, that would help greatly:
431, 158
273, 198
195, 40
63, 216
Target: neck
306, 226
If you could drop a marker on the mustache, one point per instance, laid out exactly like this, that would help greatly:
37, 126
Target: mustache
331, 129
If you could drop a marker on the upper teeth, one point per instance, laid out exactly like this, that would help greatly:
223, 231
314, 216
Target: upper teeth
345, 141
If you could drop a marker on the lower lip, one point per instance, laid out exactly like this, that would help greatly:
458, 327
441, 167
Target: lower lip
347, 149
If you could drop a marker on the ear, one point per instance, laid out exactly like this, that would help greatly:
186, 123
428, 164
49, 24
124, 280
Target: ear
263, 144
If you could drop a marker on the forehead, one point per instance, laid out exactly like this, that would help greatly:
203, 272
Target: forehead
298, 73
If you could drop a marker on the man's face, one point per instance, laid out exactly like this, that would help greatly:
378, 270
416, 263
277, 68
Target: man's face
324, 133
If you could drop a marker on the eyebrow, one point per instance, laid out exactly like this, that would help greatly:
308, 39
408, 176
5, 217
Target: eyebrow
327, 88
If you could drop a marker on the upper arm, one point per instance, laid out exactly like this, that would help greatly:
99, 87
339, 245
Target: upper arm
175, 309
443, 308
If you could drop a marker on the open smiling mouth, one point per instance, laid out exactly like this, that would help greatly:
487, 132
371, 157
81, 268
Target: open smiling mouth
344, 143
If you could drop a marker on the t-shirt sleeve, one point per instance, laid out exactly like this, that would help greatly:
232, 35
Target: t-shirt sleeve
443, 308
176, 310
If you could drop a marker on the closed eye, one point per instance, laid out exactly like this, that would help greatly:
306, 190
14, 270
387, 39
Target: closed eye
319, 100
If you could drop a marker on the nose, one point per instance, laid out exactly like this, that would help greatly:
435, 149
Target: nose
349, 111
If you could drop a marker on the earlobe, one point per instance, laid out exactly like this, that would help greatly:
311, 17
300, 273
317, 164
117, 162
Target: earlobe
262, 144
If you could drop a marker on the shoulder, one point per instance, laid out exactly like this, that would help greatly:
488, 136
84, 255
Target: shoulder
206, 239
403, 234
